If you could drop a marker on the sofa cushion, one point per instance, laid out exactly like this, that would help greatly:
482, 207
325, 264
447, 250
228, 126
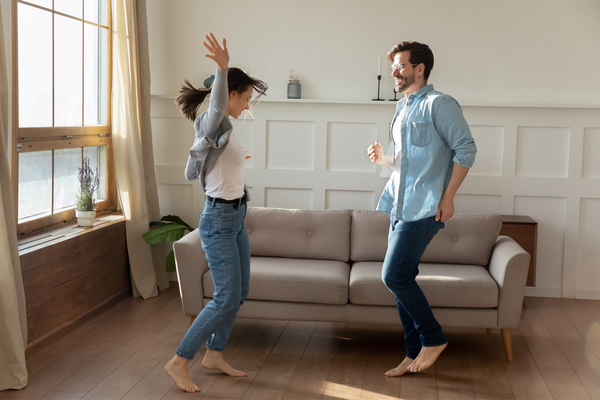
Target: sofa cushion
316, 234
444, 285
466, 238
294, 280
369, 235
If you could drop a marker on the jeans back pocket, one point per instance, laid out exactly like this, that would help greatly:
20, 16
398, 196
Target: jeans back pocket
228, 214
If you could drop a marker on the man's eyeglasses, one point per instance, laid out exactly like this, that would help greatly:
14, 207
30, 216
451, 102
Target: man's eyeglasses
400, 67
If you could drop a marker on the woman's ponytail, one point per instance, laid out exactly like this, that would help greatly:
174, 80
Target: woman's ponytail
190, 99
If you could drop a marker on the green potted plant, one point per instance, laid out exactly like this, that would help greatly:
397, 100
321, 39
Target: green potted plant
169, 229
85, 205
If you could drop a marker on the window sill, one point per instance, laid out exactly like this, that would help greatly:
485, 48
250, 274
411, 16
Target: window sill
66, 231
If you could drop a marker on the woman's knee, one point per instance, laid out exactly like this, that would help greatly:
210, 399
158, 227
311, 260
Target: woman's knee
229, 302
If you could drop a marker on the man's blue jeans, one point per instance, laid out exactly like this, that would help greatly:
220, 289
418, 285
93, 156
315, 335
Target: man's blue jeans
407, 242
225, 242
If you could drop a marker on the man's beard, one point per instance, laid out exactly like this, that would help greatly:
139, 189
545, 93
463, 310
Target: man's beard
407, 81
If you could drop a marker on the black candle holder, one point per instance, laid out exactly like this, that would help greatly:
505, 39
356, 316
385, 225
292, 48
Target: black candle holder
378, 86
395, 93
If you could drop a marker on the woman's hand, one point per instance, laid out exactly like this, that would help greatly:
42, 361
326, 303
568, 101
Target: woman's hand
217, 53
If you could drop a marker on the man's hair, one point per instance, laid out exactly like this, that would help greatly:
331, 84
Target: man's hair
419, 53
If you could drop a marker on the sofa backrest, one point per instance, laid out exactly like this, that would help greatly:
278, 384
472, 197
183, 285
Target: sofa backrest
316, 234
466, 238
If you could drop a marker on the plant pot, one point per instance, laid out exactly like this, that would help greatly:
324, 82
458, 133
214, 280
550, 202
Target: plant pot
85, 218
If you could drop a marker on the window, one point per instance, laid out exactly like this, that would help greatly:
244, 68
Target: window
61, 113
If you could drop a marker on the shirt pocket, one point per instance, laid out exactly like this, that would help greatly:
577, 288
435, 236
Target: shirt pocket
421, 134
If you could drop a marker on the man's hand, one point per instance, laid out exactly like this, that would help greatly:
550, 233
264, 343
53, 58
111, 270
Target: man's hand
446, 206
375, 153
445, 209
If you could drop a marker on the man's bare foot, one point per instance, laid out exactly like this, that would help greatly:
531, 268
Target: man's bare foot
400, 369
214, 360
426, 358
177, 369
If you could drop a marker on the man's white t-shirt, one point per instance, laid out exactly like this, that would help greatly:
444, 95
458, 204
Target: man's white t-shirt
397, 134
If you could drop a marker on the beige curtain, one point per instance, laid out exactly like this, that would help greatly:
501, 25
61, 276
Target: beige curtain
13, 322
132, 142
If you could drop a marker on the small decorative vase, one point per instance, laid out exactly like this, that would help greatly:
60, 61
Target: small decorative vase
85, 218
294, 89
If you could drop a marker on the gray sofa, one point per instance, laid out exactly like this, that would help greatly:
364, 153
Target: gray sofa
325, 265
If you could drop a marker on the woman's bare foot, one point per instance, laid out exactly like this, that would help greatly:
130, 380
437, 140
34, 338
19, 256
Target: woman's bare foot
400, 369
214, 360
177, 369
426, 358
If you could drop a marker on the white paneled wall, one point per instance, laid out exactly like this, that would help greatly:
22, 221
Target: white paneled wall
591, 153
535, 161
588, 250
539, 157
548, 159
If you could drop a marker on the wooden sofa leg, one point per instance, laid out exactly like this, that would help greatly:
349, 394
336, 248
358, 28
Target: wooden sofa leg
488, 331
507, 343
192, 319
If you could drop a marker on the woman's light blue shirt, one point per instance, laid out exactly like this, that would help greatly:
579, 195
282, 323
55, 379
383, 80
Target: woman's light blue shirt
434, 136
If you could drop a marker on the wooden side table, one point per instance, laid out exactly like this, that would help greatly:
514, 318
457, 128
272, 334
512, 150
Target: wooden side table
523, 230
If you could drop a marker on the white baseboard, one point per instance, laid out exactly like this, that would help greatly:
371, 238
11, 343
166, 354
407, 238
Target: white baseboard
543, 292
588, 294
556, 292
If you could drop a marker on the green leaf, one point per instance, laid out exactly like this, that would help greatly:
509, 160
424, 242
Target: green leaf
164, 234
159, 224
170, 262
177, 220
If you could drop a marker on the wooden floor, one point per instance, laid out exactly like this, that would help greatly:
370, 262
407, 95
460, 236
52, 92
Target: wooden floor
121, 354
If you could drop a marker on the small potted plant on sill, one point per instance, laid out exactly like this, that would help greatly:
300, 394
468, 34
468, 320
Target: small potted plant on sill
85, 202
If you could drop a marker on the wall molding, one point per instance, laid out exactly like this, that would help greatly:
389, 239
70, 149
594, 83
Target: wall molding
339, 174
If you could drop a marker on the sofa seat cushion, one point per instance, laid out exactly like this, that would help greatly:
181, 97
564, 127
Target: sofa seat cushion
444, 285
294, 280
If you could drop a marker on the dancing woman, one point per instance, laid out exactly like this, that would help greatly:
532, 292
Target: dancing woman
217, 161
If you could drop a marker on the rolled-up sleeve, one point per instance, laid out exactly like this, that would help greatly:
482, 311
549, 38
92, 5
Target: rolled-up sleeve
451, 124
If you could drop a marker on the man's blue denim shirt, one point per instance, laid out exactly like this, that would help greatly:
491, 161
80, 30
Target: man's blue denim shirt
434, 135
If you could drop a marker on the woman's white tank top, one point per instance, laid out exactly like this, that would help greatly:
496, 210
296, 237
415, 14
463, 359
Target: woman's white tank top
226, 180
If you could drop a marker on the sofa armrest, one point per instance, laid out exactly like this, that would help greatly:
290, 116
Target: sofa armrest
509, 265
191, 266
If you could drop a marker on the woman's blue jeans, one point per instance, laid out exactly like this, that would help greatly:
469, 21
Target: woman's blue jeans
225, 242
407, 242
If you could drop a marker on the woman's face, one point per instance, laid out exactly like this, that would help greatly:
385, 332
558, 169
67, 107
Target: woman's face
239, 102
